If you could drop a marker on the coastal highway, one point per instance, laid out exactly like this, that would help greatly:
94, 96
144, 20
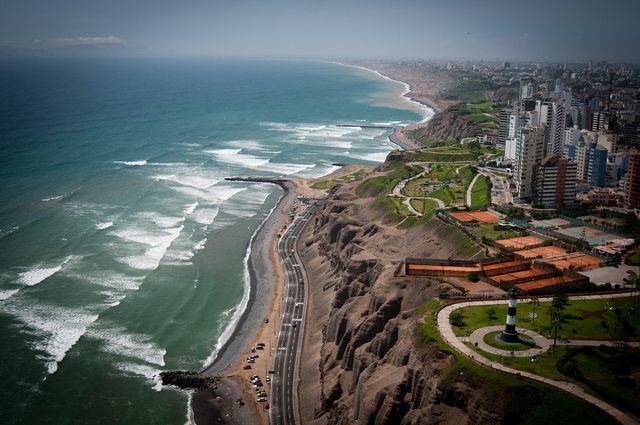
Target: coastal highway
283, 384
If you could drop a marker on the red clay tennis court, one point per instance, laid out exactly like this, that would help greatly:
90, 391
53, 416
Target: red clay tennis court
541, 252
504, 265
543, 283
476, 216
520, 242
577, 261
428, 268
517, 275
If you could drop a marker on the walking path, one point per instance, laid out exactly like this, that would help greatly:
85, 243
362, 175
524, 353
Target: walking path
397, 192
470, 189
446, 331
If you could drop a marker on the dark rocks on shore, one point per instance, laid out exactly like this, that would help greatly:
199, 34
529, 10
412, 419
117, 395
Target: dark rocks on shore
189, 380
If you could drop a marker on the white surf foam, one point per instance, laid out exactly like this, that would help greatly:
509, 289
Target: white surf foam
39, 273
149, 372
118, 282
52, 198
199, 182
56, 329
235, 157
250, 145
132, 163
189, 209
151, 258
205, 215
217, 193
238, 310
284, 169
105, 225
7, 293
120, 342
7, 231
372, 156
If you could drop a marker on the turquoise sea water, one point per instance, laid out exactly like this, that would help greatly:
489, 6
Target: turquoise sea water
121, 245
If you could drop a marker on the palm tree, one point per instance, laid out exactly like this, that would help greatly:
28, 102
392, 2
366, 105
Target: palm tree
534, 301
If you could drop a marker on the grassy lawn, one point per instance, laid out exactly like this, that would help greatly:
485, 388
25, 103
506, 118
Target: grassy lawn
612, 374
527, 403
449, 195
472, 90
480, 193
381, 185
583, 319
504, 175
490, 339
487, 230
440, 173
425, 206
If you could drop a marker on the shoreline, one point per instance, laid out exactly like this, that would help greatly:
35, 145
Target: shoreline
402, 136
429, 110
205, 406
262, 271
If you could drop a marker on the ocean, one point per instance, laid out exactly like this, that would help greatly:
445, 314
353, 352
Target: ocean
122, 246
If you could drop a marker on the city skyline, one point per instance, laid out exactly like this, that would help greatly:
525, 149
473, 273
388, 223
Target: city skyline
495, 30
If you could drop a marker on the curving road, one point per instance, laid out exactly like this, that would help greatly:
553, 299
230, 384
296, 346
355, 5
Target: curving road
282, 387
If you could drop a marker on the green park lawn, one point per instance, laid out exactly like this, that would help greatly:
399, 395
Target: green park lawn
527, 402
480, 193
590, 319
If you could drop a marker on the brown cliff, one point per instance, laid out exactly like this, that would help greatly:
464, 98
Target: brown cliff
361, 363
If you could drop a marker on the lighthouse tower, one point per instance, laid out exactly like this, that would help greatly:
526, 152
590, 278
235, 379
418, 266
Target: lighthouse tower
509, 334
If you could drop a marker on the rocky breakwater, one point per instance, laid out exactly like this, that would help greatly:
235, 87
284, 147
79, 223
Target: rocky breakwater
361, 362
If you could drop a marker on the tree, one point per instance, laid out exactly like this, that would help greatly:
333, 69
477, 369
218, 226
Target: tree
534, 302
457, 319
473, 277
560, 301
556, 317
491, 313
634, 281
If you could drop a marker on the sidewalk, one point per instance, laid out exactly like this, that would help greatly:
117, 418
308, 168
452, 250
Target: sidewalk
446, 331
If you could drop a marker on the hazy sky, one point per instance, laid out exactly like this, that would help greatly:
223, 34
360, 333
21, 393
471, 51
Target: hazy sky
553, 30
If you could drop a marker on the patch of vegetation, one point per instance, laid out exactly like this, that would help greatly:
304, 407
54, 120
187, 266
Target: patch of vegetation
526, 402
381, 185
471, 90
633, 259
490, 339
328, 184
581, 319
611, 373
426, 207
449, 196
481, 193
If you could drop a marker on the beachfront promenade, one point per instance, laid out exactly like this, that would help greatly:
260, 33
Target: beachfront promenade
459, 344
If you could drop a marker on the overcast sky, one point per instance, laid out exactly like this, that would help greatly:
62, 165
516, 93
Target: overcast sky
548, 30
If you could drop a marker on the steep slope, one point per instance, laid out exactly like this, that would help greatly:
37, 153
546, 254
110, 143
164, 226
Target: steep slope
360, 362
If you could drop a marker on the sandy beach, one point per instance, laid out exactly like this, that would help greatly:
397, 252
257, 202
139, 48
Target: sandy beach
266, 281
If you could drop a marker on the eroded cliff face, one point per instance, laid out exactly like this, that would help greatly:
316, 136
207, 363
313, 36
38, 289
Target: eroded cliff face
448, 125
361, 362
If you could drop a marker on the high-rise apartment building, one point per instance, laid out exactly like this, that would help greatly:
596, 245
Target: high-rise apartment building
530, 143
597, 171
582, 160
554, 182
632, 186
